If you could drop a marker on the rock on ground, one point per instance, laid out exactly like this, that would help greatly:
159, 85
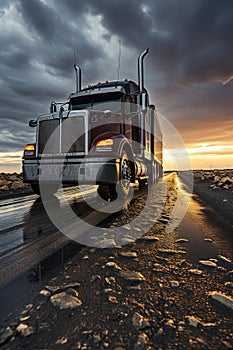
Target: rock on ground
5, 335
66, 300
223, 300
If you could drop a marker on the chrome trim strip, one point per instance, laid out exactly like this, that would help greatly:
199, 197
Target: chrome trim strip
60, 133
62, 154
86, 126
102, 160
37, 139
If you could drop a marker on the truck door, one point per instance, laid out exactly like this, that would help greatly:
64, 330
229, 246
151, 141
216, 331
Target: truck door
129, 108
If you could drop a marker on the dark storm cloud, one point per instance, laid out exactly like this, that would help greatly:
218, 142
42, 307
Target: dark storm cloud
211, 100
39, 17
127, 20
57, 34
14, 133
190, 42
4, 5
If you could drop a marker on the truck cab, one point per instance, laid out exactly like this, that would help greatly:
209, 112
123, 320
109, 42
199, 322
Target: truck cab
109, 136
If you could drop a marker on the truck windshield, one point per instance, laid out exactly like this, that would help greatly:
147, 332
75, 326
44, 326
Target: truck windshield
101, 102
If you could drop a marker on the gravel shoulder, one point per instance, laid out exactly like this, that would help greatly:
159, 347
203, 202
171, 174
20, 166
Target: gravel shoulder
208, 185
11, 186
220, 200
145, 295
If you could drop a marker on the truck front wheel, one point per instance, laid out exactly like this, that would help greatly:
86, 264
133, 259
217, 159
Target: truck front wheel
123, 187
121, 190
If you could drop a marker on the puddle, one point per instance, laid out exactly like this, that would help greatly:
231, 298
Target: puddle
11, 239
19, 291
202, 222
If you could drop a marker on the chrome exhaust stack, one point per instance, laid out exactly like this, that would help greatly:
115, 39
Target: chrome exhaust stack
143, 98
77, 74
78, 77
141, 70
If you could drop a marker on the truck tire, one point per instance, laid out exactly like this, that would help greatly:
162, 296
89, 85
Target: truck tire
104, 192
121, 190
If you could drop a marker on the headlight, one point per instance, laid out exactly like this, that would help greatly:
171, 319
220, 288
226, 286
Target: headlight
29, 150
104, 145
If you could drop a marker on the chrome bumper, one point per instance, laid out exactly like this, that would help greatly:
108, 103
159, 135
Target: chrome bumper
72, 171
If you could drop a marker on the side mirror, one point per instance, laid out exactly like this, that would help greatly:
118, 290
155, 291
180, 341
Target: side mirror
32, 123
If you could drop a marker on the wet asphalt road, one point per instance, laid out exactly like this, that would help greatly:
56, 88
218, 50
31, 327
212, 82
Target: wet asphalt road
201, 235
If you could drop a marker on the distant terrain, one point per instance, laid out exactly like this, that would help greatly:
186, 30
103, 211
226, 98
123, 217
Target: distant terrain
216, 180
11, 182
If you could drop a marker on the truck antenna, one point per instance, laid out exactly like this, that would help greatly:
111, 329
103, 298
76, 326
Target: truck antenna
119, 61
77, 74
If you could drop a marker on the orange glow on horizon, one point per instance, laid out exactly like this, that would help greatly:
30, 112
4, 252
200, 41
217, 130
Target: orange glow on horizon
201, 156
209, 155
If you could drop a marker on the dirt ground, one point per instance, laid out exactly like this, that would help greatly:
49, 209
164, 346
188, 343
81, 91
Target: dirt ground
144, 295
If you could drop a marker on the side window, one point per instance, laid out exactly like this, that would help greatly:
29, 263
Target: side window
127, 105
131, 107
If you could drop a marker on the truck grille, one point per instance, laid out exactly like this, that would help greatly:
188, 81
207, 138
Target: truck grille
59, 142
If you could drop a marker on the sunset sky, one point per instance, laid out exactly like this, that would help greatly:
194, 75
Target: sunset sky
189, 70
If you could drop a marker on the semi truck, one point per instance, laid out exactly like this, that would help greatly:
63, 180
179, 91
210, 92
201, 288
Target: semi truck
107, 134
